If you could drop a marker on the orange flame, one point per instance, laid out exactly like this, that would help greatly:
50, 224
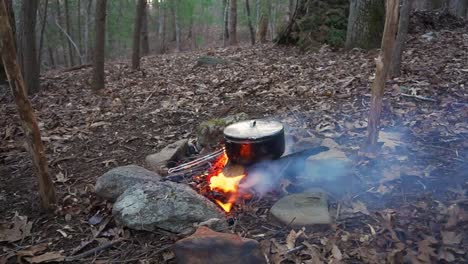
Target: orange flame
219, 182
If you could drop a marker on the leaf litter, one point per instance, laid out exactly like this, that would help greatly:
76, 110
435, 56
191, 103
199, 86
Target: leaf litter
410, 204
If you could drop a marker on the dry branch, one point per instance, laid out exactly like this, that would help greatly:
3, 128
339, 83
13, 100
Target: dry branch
28, 118
382, 69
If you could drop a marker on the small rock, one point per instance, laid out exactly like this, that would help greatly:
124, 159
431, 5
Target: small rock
210, 133
114, 182
307, 208
160, 162
208, 246
165, 205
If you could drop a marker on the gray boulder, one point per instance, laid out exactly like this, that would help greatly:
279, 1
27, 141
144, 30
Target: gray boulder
114, 182
164, 205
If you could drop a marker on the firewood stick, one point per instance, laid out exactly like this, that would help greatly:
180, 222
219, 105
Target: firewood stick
383, 63
26, 112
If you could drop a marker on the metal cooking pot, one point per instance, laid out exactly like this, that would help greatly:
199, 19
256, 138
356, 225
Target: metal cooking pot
254, 140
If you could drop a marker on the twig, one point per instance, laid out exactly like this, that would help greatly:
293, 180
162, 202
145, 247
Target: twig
94, 250
293, 250
419, 97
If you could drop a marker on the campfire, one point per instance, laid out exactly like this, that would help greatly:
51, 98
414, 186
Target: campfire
220, 181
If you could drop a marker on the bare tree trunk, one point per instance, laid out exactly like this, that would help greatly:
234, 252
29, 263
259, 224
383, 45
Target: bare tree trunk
26, 112
11, 13
249, 20
51, 56
86, 31
28, 46
161, 31
262, 28
99, 49
403, 23
383, 66
78, 14
136, 34
365, 24
144, 33
226, 23
233, 22
176, 26
290, 10
272, 21
41, 38
68, 31
59, 21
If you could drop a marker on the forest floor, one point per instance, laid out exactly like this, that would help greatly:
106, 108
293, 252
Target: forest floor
412, 202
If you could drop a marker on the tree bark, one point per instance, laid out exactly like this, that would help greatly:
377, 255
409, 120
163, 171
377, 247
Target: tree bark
382, 70
176, 25
59, 21
136, 34
87, 31
365, 24
41, 37
249, 20
11, 13
226, 23
99, 49
161, 29
28, 59
28, 118
403, 23
78, 33
144, 33
68, 31
233, 22
262, 28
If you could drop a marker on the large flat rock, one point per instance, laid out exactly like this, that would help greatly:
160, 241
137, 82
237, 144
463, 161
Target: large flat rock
302, 209
164, 205
207, 246
114, 182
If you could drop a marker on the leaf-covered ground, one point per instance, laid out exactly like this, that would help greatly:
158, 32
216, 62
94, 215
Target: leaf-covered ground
407, 204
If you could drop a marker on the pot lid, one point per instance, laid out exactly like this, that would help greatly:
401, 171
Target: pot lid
253, 129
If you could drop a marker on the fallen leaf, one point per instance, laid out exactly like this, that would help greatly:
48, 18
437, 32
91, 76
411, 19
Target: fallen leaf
32, 250
336, 253
359, 207
46, 257
391, 140
17, 230
451, 238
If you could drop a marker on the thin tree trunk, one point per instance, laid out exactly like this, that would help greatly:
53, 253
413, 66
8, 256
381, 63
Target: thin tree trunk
28, 46
262, 28
86, 33
78, 14
403, 23
136, 34
249, 20
290, 10
41, 38
176, 26
99, 49
68, 31
233, 22
51, 57
144, 33
226, 24
173, 20
365, 24
60, 21
11, 13
161, 31
382, 69
26, 112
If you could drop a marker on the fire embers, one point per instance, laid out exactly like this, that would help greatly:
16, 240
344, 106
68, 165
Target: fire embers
224, 179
